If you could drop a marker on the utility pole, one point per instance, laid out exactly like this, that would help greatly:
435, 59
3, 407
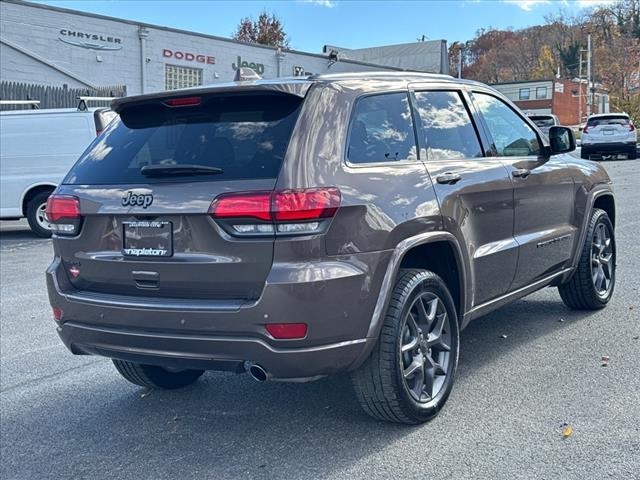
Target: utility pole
589, 79
580, 91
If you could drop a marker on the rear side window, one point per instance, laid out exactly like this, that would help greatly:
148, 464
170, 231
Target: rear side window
608, 120
382, 130
447, 126
244, 135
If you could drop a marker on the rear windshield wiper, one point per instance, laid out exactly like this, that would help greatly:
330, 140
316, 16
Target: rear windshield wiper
184, 169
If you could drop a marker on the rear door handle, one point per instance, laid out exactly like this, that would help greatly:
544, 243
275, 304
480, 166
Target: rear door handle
521, 172
448, 178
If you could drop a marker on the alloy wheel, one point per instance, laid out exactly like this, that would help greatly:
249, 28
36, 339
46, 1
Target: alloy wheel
602, 260
425, 347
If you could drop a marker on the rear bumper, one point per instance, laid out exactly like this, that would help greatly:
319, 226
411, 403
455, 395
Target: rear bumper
209, 352
335, 298
608, 148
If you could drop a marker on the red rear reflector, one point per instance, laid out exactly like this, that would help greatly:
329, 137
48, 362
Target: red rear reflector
242, 205
62, 206
287, 330
310, 204
183, 102
57, 313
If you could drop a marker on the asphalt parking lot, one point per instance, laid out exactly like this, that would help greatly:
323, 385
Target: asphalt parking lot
525, 370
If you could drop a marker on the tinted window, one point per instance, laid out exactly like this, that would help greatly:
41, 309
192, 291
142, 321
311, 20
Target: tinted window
608, 120
447, 126
511, 134
382, 130
543, 121
244, 135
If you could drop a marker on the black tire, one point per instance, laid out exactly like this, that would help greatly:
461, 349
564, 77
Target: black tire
33, 210
584, 155
580, 291
632, 154
151, 376
380, 383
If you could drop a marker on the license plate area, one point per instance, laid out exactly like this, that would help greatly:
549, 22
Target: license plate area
147, 239
608, 131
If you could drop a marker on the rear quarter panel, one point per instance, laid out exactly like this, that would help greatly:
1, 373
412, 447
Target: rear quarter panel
382, 204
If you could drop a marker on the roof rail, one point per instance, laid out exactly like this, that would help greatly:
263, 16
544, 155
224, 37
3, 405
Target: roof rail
82, 104
35, 104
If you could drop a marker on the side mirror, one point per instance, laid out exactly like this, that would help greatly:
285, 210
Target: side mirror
561, 140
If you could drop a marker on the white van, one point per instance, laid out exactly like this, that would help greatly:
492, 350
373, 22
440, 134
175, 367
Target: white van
37, 148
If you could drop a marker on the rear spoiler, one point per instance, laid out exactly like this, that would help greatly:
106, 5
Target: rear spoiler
298, 88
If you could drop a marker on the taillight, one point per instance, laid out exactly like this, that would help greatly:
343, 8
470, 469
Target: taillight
632, 127
281, 212
63, 214
585, 130
242, 205
57, 313
98, 132
311, 204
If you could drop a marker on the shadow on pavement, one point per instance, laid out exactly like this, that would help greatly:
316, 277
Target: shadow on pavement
231, 426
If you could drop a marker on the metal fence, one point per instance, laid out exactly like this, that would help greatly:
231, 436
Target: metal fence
54, 97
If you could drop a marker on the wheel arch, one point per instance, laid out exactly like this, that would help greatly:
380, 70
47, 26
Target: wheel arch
606, 202
432, 242
601, 198
413, 252
33, 190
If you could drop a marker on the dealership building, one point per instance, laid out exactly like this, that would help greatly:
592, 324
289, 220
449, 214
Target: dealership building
45, 45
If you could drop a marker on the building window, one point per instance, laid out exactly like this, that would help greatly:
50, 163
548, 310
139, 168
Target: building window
525, 94
181, 77
541, 93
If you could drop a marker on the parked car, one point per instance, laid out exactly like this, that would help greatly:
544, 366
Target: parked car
294, 229
545, 122
37, 148
609, 134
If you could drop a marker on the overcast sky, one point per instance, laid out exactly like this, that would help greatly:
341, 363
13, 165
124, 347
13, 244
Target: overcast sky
311, 24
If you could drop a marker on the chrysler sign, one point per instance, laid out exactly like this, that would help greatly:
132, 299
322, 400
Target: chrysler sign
89, 40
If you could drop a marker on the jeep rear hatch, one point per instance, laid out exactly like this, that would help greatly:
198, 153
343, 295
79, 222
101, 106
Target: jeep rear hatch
144, 191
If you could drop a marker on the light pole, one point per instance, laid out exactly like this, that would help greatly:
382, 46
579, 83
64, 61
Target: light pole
589, 79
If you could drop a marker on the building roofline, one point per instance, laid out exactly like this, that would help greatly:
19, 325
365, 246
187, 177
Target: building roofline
523, 81
186, 32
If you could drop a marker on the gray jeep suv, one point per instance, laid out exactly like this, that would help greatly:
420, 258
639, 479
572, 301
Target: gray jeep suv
297, 228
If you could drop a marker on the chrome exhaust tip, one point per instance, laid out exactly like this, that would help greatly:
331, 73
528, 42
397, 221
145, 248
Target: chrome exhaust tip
258, 373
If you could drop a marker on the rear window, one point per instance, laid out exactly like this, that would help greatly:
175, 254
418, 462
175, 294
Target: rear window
245, 135
543, 121
608, 120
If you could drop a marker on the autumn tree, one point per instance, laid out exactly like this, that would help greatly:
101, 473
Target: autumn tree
266, 30
546, 65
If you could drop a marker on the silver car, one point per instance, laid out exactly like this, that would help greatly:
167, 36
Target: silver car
609, 134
